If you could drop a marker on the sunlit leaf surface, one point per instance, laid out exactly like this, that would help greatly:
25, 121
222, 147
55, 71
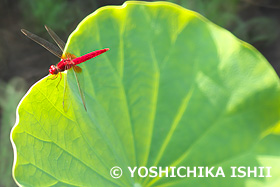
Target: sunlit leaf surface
174, 90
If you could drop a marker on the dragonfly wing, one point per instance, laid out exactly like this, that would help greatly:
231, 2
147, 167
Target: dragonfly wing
57, 40
47, 45
66, 96
77, 71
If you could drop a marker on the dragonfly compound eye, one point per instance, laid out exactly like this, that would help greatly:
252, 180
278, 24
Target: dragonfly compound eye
53, 70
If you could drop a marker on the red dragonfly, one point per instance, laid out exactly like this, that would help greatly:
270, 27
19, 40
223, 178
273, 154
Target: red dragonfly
67, 61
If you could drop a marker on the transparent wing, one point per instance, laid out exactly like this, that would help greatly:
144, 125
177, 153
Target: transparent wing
57, 40
47, 45
77, 72
66, 96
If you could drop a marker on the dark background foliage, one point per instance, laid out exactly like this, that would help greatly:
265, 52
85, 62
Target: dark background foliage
23, 62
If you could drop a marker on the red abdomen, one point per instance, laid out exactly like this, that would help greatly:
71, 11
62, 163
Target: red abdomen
89, 56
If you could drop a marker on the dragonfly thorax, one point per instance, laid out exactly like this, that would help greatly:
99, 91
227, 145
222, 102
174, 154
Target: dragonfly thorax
63, 65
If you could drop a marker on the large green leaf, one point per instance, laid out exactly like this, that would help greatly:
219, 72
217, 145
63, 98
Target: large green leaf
174, 90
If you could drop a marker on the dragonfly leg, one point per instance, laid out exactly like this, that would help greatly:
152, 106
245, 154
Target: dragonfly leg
60, 76
52, 78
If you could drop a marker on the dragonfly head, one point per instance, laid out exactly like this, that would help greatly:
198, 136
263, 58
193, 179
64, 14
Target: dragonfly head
53, 70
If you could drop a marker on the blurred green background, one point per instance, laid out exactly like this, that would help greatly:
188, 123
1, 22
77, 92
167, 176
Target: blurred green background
23, 62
